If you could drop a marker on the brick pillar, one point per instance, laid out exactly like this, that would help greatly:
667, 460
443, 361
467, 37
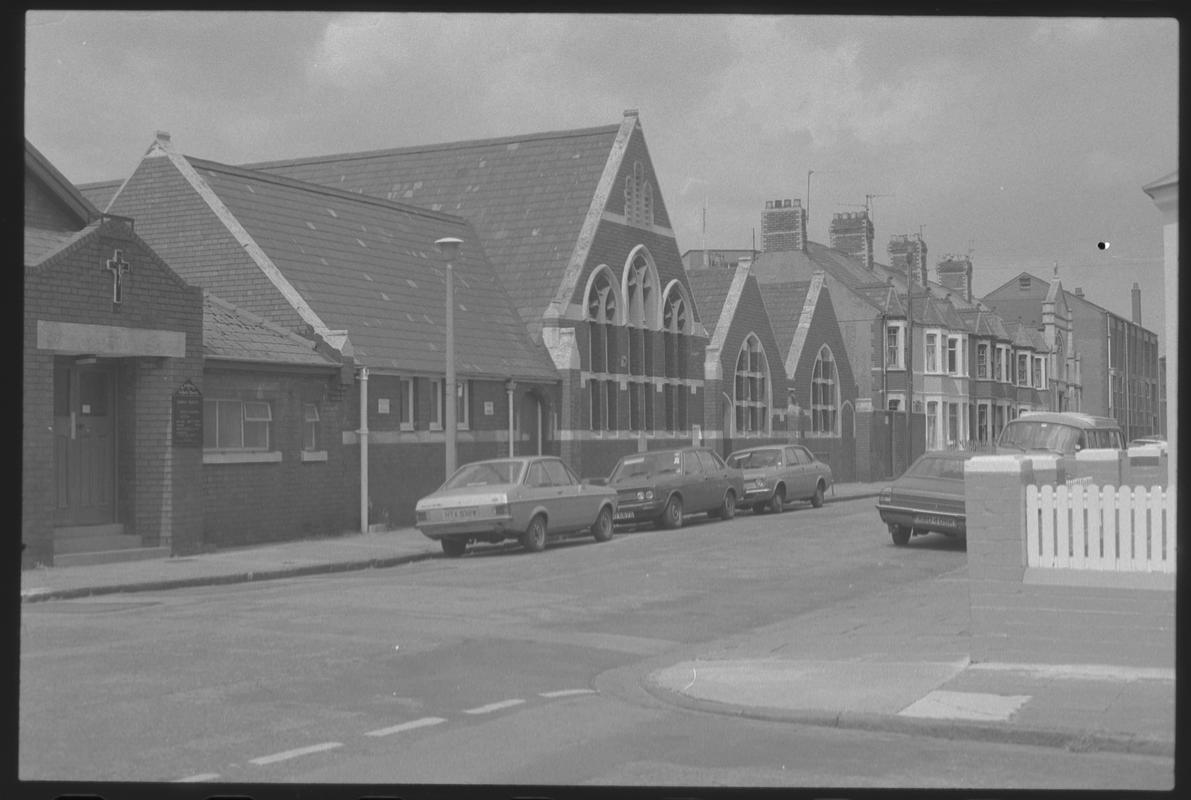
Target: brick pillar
995, 503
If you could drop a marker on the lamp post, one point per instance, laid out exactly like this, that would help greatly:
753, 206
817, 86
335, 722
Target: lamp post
448, 247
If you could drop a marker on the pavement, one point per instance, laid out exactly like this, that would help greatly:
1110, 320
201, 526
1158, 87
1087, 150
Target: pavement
896, 661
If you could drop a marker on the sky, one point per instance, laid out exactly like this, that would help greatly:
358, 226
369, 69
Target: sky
1020, 142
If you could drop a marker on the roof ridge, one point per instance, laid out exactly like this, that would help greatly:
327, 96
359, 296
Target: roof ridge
320, 189
460, 144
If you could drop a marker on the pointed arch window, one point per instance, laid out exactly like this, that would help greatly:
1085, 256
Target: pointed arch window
752, 388
601, 310
824, 393
675, 330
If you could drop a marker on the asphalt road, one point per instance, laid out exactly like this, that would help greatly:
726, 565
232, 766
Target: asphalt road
501, 667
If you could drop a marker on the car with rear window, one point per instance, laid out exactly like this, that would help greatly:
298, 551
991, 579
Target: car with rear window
663, 487
1061, 433
927, 498
528, 498
776, 475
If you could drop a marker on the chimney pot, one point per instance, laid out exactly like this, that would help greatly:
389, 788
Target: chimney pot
163, 136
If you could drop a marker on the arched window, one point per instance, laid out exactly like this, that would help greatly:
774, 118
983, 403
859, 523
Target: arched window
676, 323
824, 393
752, 388
602, 351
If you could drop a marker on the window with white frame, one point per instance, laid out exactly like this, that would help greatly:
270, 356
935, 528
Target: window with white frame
953, 430
236, 424
895, 334
932, 424
405, 391
824, 393
932, 351
982, 422
982, 365
310, 432
1040, 372
895, 402
1002, 364
751, 398
1023, 369
955, 358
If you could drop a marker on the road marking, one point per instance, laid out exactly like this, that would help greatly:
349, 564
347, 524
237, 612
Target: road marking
566, 692
206, 776
407, 726
301, 751
494, 707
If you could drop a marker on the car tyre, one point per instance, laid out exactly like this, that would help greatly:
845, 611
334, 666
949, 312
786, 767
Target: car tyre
601, 529
817, 497
727, 509
534, 537
900, 535
453, 548
777, 503
672, 513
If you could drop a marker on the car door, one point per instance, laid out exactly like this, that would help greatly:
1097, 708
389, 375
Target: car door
570, 508
694, 484
804, 472
716, 477
539, 491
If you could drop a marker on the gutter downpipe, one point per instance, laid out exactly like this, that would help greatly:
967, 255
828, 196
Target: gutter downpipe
363, 434
510, 386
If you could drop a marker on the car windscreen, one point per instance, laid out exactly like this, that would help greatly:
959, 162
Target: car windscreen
937, 468
756, 459
485, 473
1027, 435
644, 465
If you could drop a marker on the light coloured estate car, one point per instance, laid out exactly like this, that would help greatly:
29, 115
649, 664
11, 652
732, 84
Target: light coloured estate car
778, 474
528, 498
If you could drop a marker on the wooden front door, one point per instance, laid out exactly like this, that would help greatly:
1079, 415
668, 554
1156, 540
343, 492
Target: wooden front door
84, 443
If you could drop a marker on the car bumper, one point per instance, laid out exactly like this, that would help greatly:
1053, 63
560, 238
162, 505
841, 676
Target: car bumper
494, 527
918, 520
628, 515
756, 497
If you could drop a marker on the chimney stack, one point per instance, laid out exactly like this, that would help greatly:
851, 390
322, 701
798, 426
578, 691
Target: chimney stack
1079, 291
1136, 304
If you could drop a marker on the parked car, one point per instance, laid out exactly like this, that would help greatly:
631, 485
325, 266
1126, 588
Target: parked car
1150, 441
928, 497
530, 498
778, 474
1063, 433
663, 486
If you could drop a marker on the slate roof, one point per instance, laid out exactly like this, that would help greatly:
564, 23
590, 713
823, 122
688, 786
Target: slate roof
99, 193
365, 265
233, 334
43, 237
709, 289
783, 303
526, 196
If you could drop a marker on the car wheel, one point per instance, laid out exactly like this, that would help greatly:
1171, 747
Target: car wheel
778, 503
534, 538
817, 497
453, 547
602, 529
900, 534
672, 514
727, 509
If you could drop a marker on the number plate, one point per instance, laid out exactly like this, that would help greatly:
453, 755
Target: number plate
624, 515
934, 520
459, 513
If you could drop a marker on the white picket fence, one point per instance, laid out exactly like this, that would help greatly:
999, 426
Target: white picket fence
1122, 529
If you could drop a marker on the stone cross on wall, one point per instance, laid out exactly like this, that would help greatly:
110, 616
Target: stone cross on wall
119, 268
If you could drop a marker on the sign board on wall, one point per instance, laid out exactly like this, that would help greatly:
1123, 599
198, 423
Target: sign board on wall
188, 416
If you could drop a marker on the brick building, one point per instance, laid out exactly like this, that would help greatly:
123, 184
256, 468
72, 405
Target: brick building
576, 228
112, 336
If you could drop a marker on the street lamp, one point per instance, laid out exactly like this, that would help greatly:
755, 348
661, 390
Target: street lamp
448, 247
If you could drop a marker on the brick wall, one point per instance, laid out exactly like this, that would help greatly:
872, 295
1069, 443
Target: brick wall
1019, 615
154, 482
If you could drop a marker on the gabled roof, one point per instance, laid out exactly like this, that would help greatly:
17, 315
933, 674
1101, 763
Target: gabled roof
348, 264
709, 290
40, 168
46, 188
100, 193
783, 304
526, 196
233, 334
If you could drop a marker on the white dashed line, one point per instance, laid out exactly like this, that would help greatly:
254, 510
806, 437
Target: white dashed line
566, 692
206, 776
301, 751
407, 726
494, 707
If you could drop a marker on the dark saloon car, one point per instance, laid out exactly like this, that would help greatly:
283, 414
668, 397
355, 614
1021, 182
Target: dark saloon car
778, 474
663, 486
928, 497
